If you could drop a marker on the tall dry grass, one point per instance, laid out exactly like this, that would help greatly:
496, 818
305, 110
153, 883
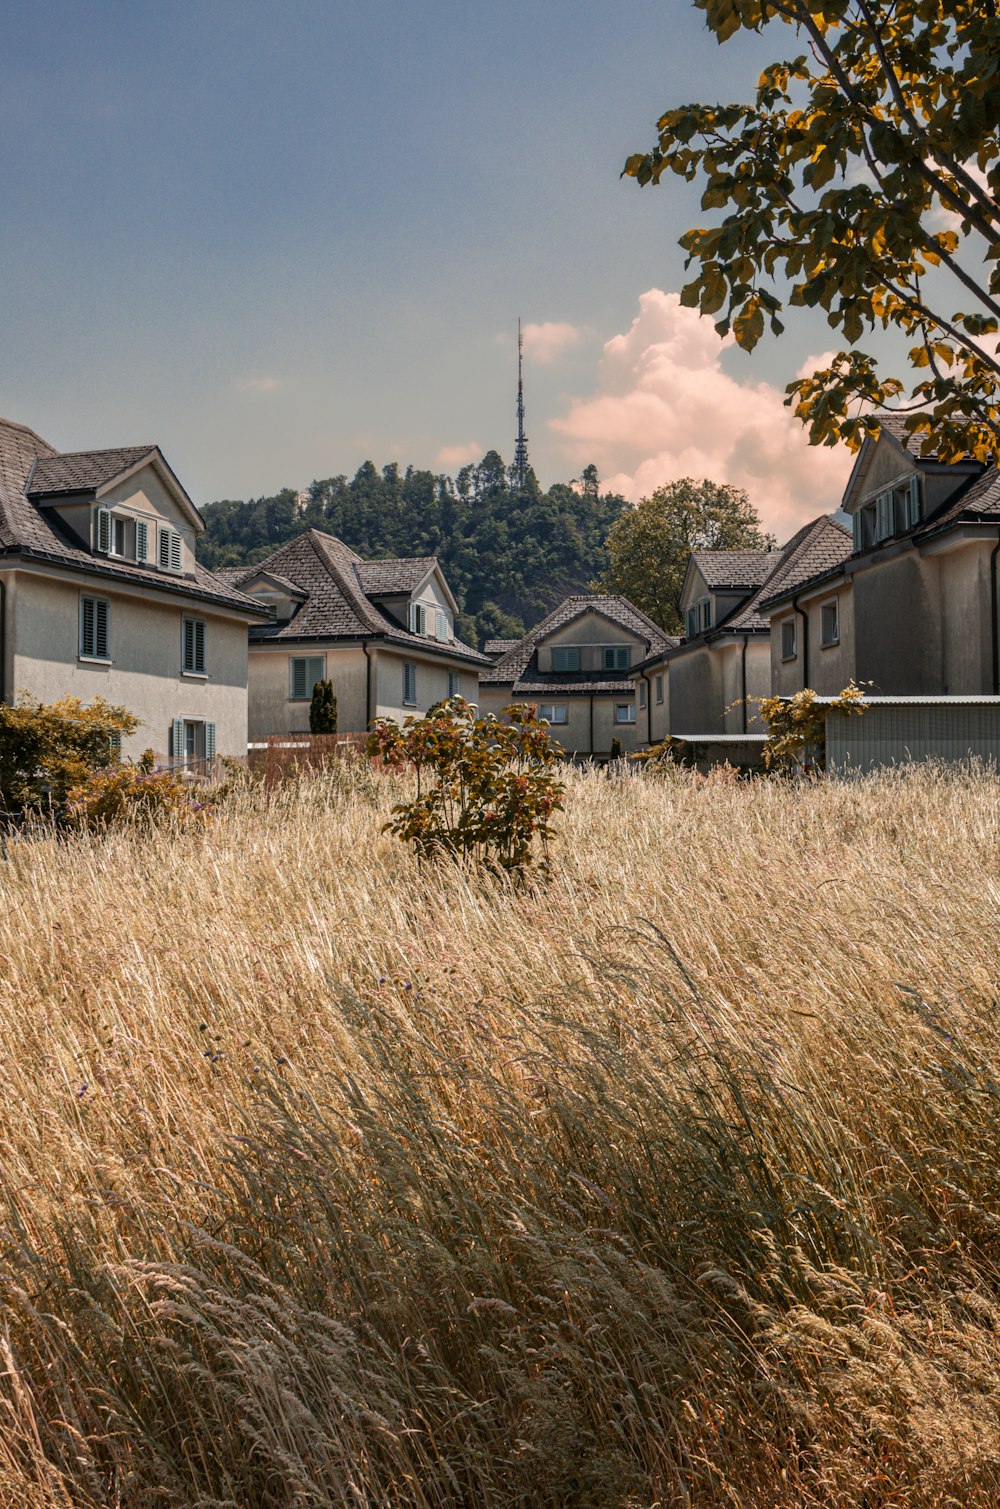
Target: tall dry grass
327, 1180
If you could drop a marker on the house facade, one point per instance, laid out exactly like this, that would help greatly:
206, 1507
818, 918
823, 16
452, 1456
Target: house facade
705, 690
912, 609
577, 666
382, 631
101, 595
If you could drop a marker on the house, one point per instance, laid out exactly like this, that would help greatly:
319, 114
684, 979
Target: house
704, 689
382, 631
577, 665
912, 608
101, 595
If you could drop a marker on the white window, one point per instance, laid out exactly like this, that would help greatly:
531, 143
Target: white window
553, 712
788, 650
454, 684
418, 618
642, 694
192, 742
624, 712
409, 684
566, 657
193, 646
170, 549
442, 625
303, 673
95, 616
830, 622
616, 657
658, 688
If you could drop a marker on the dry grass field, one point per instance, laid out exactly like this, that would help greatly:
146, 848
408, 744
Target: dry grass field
325, 1180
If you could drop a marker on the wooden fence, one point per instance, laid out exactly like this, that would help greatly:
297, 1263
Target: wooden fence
281, 754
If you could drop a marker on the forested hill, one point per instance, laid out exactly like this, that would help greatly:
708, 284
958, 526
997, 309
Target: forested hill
509, 553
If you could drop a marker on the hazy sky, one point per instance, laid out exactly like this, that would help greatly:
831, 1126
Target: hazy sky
279, 238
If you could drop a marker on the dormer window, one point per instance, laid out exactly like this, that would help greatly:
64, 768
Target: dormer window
616, 657
121, 535
169, 557
698, 618
566, 657
418, 618
893, 512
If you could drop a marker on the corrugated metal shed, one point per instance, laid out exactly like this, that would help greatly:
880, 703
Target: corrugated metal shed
900, 730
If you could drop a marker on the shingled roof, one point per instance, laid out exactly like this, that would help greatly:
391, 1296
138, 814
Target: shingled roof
518, 668
338, 604
388, 577
30, 531
817, 548
82, 471
734, 568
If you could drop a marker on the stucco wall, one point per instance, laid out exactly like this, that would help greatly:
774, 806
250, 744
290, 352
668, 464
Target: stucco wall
574, 734
830, 667
758, 684
897, 624
43, 625
653, 721
696, 692
432, 683
145, 495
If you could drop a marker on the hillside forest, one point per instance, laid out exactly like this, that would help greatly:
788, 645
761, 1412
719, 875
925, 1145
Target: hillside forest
510, 551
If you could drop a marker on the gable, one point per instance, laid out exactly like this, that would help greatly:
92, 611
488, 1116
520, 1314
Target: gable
881, 462
695, 586
590, 627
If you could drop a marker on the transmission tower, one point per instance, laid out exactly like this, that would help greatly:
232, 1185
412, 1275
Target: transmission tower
521, 464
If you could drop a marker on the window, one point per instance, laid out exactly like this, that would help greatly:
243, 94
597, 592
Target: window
418, 618
830, 622
691, 623
409, 684
553, 712
192, 741
706, 613
642, 694
788, 650
616, 657
658, 688
442, 626
303, 673
566, 657
170, 549
193, 646
624, 712
103, 534
95, 613
454, 684
122, 536
141, 540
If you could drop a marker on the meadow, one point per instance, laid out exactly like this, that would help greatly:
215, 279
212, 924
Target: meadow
327, 1179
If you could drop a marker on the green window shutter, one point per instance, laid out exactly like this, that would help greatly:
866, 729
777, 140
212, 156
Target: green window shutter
177, 739
199, 646
187, 652
141, 540
316, 668
298, 678
86, 626
101, 628
104, 531
883, 516
913, 502
163, 544
209, 741
856, 529
175, 550
409, 681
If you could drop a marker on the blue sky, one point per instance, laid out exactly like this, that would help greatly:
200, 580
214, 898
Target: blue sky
279, 238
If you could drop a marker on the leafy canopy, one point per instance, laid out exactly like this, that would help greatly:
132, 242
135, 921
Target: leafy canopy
864, 177
48, 749
649, 545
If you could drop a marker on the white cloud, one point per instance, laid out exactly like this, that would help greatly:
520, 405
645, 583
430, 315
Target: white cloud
460, 455
259, 385
665, 408
546, 342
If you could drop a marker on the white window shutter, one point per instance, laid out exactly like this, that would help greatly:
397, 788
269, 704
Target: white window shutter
177, 739
175, 550
913, 502
141, 540
209, 741
104, 530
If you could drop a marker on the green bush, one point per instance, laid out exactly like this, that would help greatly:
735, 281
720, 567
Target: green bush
142, 794
48, 749
323, 709
484, 786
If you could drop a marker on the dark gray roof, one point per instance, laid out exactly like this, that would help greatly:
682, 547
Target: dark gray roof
497, 647
518, 667
818, 548
82, 471
385, 578
28, 530
238, 576
337, 605
979, 500
734, 568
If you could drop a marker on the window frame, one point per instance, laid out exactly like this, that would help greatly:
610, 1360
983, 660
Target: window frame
616, 657
554, 708
789, 624
305, 659
824, 642
626, 708
642, 696
658, 687
570, 650
84, 652
195, 669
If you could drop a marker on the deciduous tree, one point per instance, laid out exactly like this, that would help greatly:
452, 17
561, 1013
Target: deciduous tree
862, 179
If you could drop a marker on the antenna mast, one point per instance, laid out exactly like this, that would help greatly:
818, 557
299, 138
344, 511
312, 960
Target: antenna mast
521, 463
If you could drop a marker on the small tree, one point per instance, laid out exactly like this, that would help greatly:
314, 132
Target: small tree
323, 709
47, 749
796, 726
484, 785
